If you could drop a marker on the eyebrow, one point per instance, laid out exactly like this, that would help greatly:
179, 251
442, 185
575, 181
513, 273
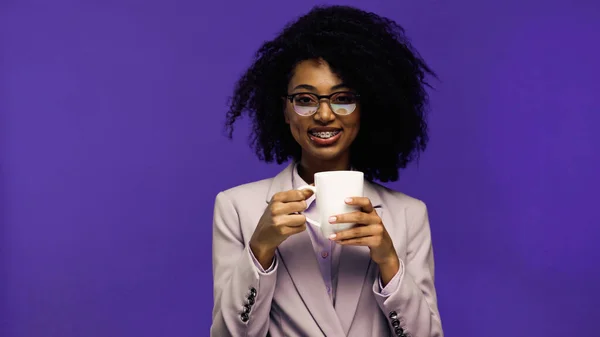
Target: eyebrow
311, 88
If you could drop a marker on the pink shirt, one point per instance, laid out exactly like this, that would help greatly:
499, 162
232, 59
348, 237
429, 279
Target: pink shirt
326, 251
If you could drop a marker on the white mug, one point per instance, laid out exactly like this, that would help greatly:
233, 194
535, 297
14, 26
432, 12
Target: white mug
330, 190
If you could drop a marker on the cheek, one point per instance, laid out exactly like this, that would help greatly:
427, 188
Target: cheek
291, 118
296, 125
353, 123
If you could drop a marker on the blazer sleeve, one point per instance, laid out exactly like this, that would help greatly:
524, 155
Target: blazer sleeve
411, 307
242, 293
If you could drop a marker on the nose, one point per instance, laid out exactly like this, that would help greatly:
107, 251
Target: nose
324, 113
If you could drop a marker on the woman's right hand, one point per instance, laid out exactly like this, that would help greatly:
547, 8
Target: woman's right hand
278, 222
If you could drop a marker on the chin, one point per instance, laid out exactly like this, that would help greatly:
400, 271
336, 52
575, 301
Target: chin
325, 153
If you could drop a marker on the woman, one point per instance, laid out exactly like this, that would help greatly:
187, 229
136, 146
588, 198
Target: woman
338, 89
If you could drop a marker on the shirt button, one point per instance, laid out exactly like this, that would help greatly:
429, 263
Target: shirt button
328, 289
324, 254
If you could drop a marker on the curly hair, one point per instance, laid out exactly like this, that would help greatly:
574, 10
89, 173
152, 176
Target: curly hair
369, 53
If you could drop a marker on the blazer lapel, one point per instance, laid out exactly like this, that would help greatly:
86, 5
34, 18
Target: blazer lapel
353, 270
297, 255
354, 263
281, 182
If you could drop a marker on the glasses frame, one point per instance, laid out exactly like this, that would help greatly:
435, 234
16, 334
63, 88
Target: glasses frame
291, 97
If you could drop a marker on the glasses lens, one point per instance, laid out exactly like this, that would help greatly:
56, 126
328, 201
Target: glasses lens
343, 103
306, 104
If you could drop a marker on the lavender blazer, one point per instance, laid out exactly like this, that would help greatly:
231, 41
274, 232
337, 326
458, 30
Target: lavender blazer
292, 300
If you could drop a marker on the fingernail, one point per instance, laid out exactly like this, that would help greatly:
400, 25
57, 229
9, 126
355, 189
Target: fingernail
332, 236
332, 219
348, 200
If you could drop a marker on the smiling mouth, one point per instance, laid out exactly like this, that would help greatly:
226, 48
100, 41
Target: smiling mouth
325, 137
324, 134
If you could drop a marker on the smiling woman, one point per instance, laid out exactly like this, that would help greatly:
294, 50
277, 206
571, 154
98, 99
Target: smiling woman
323, 115
339, 89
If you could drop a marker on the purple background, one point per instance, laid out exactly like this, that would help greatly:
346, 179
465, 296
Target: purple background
112, 151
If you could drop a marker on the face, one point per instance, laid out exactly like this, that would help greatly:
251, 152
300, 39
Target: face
324, 135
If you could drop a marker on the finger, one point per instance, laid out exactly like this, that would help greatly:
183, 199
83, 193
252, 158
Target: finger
358, 232
291, 230
356, 217
292, 220
291, 195
280, 208
306, 193
369, 241
363, 202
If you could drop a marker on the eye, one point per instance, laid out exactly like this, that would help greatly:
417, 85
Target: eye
305, 100
344, 98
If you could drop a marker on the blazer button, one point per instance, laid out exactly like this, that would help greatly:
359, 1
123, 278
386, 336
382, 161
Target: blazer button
244, 317
253, 292
393, 315
246, 308
399, 332
395, 323
251, 300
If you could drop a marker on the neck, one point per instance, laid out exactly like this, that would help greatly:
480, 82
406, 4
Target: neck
309, 166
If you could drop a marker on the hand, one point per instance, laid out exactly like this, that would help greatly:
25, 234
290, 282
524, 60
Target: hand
370, 232
279, 220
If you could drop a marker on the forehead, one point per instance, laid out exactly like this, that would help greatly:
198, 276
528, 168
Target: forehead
314, 72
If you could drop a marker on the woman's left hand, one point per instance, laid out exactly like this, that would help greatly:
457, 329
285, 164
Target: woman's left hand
370, 232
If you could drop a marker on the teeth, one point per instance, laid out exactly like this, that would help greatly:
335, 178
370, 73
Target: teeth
325, 134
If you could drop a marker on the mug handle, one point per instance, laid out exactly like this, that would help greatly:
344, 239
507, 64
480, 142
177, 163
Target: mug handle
314, 190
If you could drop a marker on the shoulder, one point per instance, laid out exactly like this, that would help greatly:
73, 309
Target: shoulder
411, 209
247, 192
405, 209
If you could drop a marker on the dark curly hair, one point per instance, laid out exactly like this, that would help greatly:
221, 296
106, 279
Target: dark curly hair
369, 53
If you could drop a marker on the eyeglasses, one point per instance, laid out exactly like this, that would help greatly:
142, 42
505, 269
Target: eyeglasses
341, 103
